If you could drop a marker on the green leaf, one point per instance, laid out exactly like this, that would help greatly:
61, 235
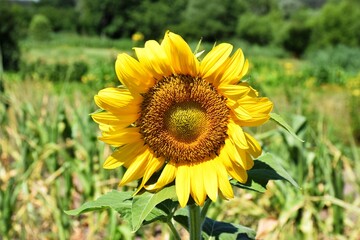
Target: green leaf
145, 203
279, 120
265, 168
181, 216
217, 230
226, 231
119, 201
162, 212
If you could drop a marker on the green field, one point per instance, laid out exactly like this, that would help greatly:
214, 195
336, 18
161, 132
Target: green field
51, 160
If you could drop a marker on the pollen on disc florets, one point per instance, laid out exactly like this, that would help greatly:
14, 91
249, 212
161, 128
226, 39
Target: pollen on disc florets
183, 118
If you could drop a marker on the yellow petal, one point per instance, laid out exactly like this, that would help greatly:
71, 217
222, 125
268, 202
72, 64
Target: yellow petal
117, 99
154, 164
154, 59
227, 156
113, 121
237, 135
210, 179
258, 108
223, 179
235, 69
136, 168
244, 69
182, 184
256, 105
240, 112
183, 60
234, 91
239, 156
122, 137
197, 188
124, 154
215, 59
133, 108
244, 158
167, 176
254, 146
132, 74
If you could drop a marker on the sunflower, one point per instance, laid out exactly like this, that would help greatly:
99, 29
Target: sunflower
182, 119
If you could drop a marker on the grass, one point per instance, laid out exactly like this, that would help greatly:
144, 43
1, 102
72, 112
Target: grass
51, 158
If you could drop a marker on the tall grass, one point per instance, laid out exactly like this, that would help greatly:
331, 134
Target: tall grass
51, 160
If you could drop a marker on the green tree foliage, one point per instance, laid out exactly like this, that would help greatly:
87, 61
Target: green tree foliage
40, 27
58, 3
9, 36
297, 33
337, 23
106, 17
212, 20
294, 25
61, 18
154, 17
259, 29
123, 18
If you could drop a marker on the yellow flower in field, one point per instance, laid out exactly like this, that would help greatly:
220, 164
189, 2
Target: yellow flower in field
138, 36
182, 118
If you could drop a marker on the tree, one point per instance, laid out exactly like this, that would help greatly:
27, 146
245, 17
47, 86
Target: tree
154, 17
337, 23
106, 17
9, 35
298, 30
212, 20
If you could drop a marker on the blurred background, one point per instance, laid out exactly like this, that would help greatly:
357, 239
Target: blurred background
55, 55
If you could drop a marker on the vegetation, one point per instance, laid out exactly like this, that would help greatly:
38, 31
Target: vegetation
50, 156
40, 27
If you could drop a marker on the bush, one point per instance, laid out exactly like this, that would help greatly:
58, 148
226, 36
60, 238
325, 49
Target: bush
297, 38
338, 23
58, 71
297, 33
40, 27
213, 20
333, 64
151, 18
62, 19
258, 29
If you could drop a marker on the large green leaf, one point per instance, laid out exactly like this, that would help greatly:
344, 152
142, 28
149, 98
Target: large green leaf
145, 204
212, 229
265, 168
138, 210
117, 200
279, 120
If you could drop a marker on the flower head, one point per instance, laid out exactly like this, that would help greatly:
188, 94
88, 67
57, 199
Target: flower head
182, 118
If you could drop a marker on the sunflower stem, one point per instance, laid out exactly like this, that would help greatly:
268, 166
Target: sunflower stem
195, 222
173, 230
205, 209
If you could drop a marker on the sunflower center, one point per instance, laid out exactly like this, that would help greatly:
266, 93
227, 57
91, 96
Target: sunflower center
183, 119
186, 121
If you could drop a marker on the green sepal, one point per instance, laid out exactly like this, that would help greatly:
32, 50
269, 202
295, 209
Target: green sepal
97, 111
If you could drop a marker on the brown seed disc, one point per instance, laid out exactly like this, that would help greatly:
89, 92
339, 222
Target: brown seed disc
184, 119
